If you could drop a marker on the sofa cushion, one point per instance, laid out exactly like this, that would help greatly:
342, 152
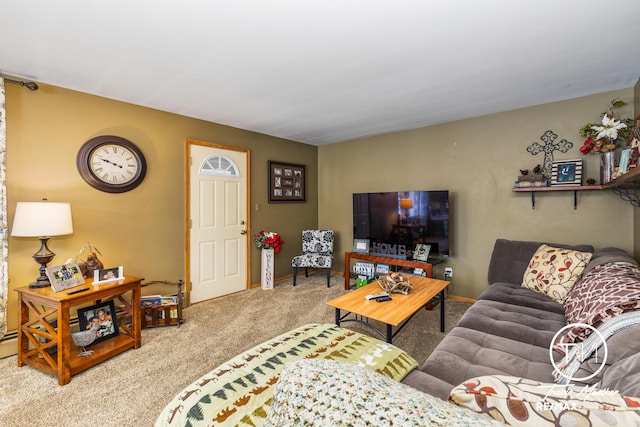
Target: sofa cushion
521, 324
515, 294
329, 393
510, 258
465, 353
553, 271
523, 402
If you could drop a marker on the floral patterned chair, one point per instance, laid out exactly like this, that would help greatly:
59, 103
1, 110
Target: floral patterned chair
317, 252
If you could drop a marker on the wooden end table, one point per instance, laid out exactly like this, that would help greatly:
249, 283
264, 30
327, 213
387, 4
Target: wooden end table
394, 313
45, 323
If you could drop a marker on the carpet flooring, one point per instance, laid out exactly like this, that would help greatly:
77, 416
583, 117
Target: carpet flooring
132, 388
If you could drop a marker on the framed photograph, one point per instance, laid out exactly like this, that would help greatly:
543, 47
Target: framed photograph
103, 316
286, 182
566, 172
108, 275
422, 252
64, 276
361, 246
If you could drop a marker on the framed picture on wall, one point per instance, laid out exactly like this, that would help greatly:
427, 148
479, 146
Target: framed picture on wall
566, 172
286, 182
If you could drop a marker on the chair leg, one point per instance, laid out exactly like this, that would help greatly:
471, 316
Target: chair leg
306, 272
295, 272
328, 277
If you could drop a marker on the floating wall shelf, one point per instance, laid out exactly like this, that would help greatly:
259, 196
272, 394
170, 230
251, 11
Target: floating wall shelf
626, 186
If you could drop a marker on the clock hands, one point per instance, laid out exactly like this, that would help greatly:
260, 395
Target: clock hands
110, 162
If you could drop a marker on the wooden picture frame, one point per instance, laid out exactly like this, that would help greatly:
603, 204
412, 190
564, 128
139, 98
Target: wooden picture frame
287, 182
64, 276
566, 172
104, 314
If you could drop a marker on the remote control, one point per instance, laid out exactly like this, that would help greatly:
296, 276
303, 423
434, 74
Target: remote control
378, 295
383, 299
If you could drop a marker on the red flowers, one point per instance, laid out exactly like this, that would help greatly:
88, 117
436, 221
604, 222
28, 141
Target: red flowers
268, 240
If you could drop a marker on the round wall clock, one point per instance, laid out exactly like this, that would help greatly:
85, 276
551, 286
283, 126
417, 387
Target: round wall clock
111, 163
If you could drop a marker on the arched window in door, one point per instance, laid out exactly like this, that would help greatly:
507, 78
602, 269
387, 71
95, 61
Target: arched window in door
219, 166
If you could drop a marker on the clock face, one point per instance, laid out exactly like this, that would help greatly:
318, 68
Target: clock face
111, 163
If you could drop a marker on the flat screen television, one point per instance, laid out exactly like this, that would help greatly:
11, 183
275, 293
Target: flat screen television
395, 222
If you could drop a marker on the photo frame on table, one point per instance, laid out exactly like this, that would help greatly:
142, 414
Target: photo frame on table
566, 172
421, 253
104, 315
287, 182
361, 246
108, 275
64, 276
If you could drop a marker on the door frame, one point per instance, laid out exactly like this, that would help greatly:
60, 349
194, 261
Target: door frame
187, 208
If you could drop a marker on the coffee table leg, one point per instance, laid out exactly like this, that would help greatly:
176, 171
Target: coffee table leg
338, 316
442, 310
389, 334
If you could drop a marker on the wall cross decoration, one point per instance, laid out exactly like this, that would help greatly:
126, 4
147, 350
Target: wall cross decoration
547, 147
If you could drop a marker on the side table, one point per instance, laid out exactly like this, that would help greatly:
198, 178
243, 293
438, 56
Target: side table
44, 335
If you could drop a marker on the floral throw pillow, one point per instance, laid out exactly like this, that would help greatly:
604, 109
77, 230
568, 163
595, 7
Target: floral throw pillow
553, 271
523, 402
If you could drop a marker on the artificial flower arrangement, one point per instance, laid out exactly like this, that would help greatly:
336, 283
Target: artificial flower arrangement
268, 240
602, 138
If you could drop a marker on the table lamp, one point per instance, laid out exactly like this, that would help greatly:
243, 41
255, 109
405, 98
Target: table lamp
42, 220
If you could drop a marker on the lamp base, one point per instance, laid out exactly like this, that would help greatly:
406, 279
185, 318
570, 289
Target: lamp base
42, 257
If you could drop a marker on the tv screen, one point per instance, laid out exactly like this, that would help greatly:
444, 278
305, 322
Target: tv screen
395, 222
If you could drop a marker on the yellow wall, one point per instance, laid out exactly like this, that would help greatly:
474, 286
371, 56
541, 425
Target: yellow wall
478, 160
143, 229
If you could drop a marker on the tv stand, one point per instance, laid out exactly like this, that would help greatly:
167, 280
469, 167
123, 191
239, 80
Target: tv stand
348, 256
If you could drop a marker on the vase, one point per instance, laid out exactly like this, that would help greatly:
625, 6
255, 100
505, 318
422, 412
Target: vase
266, 276
606, 167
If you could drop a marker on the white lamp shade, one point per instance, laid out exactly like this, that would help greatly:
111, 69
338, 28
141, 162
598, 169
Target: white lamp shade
42, 219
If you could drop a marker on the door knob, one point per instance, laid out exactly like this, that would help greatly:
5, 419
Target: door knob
243, 232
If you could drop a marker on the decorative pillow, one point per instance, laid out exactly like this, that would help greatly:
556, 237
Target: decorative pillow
324, 392
522, 402
553, 271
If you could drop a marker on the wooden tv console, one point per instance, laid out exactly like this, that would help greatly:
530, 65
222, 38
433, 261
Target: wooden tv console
348, 256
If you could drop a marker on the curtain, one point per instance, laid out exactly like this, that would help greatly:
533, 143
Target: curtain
4, 236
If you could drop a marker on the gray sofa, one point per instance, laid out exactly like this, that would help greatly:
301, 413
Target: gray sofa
509, 329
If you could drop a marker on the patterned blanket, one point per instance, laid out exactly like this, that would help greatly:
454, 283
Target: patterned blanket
240, 391
604, 292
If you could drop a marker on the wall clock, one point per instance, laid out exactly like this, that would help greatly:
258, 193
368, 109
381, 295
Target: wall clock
111, 163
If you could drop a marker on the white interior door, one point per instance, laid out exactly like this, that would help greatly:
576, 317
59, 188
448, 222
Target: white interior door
218, 220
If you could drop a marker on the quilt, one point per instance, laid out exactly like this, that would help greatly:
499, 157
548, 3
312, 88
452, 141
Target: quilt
240, 391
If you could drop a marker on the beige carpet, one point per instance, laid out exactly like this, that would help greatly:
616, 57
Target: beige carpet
132, 388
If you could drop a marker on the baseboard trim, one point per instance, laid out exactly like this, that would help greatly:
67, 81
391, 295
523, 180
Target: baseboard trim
9, 345
461, 299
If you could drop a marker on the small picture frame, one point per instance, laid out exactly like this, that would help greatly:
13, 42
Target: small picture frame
108, 275
104, 316
421, 253
382, 269
361, 246
566, 172
286, 182
64, 276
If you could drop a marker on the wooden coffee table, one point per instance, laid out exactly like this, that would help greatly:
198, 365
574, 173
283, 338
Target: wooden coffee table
394, 313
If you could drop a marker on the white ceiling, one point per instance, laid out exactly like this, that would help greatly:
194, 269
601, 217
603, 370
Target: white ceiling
325, 71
